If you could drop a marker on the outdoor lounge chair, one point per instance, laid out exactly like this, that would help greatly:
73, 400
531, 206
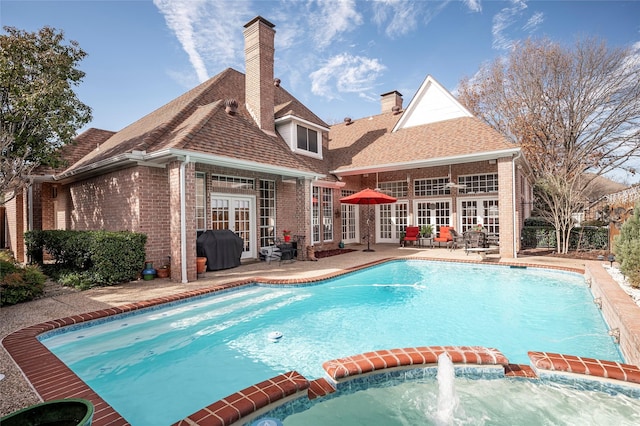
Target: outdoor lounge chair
412, 233
445, 236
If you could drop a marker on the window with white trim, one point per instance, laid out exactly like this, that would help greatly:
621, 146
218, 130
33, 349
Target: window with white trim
327, 214
427, 187
397, 189
267, 212
475, 184
307, 139
201, 200
232, 182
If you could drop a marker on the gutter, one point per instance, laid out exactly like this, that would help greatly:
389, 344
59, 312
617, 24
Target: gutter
245, 164
442, 161
159, 158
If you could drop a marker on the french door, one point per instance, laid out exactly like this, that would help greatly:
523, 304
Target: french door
238, 214
350, 231
433, 212
391, 221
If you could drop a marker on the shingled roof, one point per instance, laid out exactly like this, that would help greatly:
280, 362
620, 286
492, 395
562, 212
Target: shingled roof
196, 121
434, 127
369, 142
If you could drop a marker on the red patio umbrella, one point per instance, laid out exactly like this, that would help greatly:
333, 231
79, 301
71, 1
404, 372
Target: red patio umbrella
368, 196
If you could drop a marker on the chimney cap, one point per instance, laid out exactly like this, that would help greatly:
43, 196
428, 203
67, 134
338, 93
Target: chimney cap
231, 106
391, 93
259, 18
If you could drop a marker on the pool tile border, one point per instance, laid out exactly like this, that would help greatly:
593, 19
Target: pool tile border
52, 379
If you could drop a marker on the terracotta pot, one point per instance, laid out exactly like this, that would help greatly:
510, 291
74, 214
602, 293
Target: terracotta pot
163, 272
201, 265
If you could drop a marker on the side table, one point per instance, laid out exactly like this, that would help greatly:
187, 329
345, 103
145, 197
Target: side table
423, 241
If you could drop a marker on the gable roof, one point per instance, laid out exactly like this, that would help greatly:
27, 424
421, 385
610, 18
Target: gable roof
435, 129
196, 123
80, 147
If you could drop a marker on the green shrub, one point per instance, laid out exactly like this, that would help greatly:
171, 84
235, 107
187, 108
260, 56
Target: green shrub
627, 246
537, 221
103, 257
82, 280
584, 238
19, 284
117, 256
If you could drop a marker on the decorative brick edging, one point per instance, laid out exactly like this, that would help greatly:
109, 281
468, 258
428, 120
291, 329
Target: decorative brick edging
249, 401
585, 366
355, 365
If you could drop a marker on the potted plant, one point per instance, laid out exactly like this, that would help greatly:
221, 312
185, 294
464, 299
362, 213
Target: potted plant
426, 230
287, 235
477, 228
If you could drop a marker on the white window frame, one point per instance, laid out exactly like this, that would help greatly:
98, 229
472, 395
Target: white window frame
203, 198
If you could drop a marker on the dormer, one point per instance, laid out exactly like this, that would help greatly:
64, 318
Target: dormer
302, 136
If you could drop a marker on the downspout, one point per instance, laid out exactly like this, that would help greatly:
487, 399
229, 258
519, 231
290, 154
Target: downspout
183, 220
513, 198
311, 213
29, 219
30, 210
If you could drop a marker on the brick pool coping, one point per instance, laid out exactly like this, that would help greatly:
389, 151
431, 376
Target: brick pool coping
52, 379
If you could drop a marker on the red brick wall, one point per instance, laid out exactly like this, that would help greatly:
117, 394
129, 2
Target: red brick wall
134, 199
175, 223
16, 226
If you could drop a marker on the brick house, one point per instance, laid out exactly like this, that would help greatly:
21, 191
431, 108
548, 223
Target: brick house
239, 152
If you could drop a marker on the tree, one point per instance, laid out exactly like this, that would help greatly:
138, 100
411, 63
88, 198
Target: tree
573, 111
39, 112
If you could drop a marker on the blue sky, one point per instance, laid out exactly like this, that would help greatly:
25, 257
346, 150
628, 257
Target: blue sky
337, 57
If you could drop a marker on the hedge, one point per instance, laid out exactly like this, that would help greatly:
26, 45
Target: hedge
99, 257
583, 238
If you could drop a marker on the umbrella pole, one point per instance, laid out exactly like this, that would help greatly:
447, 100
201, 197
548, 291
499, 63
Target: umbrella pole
368, 231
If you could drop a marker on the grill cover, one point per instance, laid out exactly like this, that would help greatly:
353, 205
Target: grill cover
221, 247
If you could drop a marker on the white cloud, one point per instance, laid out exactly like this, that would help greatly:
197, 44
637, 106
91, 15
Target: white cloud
345, 73
399, 16
534, 22
503, 20
474, 5
332, 19
208, 31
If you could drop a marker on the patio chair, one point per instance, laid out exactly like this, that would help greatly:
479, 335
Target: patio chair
474, 239
445, 236
456, 238
412, 233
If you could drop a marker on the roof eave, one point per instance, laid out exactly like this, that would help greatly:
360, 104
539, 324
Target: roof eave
291, 117
161, 158
432, 162
236, 163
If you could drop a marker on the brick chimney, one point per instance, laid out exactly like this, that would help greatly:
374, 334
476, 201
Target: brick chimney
390, 100
259, 49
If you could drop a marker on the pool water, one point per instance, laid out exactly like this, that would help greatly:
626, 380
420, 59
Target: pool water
479, 402
159, 366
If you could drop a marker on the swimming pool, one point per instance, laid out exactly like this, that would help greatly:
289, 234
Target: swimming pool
213, 346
